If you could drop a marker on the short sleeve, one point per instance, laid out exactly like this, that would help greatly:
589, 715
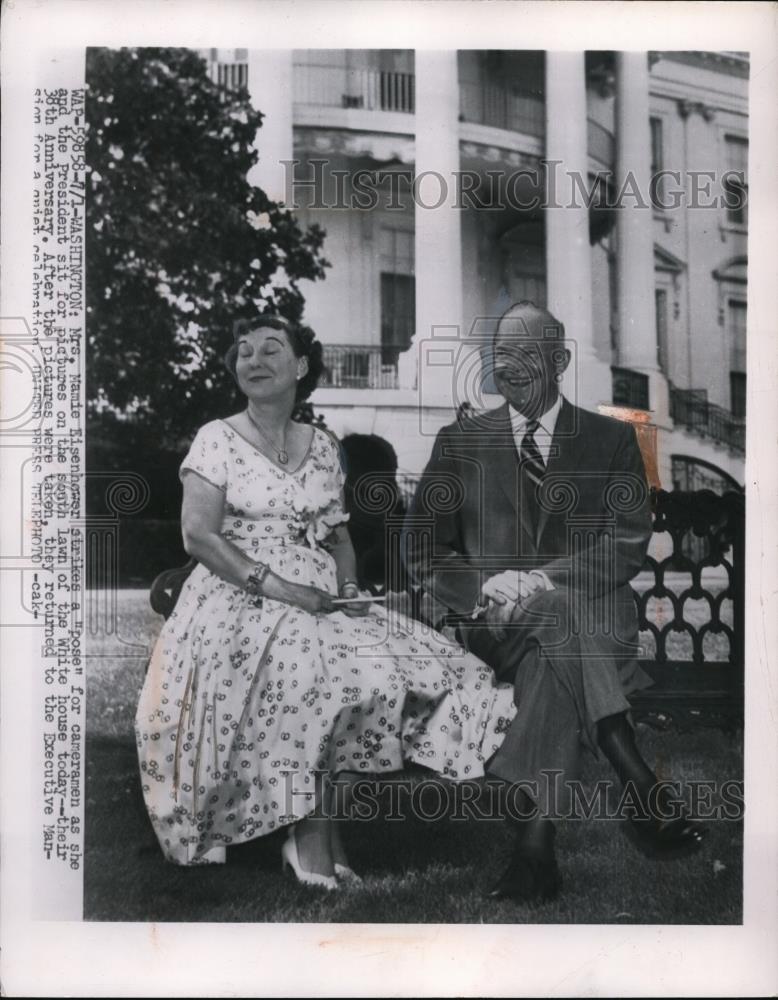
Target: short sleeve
207, 457
338, 460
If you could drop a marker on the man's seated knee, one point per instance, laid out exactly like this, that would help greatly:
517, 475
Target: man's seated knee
548, 619
544, 608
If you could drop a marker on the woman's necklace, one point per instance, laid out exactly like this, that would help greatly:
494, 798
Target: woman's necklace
282, 453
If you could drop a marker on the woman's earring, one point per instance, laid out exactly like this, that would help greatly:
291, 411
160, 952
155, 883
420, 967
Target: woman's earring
559, 376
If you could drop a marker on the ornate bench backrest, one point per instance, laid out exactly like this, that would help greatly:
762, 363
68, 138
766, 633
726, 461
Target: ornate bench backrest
717, 523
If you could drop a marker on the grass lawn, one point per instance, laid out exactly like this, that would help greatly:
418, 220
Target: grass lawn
414, 871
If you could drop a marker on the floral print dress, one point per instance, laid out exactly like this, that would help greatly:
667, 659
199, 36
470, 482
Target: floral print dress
247, 698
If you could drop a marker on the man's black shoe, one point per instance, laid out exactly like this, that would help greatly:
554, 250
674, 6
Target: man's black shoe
670, 839
528, 879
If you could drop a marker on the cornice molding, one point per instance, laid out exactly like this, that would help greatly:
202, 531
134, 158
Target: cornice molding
731, 63
686, 108
666, 261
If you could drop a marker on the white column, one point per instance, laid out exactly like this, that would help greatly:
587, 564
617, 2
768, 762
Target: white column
438, 238
635, 282
270, 87
634, 219
707, 352
568, 253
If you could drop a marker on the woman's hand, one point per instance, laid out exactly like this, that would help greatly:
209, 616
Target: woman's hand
351, 590
310, 599
356, 610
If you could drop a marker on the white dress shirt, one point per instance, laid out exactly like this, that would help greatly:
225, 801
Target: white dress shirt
543, 434
543, 437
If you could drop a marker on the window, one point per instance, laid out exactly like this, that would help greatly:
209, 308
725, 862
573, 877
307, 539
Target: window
736, 179
629, 388
398, 292
398, 315
696, 474
736, 322
737, 394
660, 296
397, 251
657, 160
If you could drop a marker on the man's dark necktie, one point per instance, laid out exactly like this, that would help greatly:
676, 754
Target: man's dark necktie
532, 471
529, 454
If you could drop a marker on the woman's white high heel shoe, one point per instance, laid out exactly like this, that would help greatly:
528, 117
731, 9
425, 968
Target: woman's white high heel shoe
347, 874
291, 859
214, 856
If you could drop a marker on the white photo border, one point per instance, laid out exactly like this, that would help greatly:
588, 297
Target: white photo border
134, 959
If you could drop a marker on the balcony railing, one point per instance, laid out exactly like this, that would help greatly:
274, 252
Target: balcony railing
601, 143
358, 366
503, 107
690, 408
230, 76
630, 388
500, 106
340, 87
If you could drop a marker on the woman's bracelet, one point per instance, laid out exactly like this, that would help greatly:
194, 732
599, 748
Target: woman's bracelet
256, 578
349, 583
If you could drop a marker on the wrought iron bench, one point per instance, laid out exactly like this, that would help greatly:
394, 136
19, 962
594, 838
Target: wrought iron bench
707, 536
704, 535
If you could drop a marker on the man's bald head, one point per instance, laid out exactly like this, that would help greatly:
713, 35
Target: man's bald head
527, 319
530, 357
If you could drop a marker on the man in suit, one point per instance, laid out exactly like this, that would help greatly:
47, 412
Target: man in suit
546, 521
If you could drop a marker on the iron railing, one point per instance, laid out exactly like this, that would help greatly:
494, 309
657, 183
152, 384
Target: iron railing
341, 87
360, 366
690, 408
601, 144
500, 106
495, 104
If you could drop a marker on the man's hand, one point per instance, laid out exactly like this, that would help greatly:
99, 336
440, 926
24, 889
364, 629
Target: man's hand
497, 616
511, 587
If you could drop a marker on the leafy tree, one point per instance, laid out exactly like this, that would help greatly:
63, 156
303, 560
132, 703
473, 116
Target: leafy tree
179, 244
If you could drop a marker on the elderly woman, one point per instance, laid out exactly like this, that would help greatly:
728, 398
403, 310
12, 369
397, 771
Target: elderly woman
260, 679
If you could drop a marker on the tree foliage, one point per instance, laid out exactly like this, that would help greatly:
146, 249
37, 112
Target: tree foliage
179, 243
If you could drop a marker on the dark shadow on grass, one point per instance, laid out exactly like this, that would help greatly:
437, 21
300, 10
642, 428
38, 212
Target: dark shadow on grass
414, 871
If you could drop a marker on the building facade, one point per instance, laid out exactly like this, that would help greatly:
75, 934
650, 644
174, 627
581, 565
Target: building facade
611, 187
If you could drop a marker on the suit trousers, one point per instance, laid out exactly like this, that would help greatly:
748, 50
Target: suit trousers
566, 677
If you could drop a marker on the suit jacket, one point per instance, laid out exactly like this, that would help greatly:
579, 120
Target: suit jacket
476, 513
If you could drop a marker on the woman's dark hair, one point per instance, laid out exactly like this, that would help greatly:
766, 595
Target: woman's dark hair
301, 338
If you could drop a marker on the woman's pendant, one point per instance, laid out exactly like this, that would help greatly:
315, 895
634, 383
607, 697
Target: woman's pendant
283, 457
